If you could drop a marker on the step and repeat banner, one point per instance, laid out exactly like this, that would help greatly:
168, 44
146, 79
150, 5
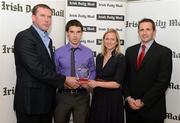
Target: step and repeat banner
166, 15
97, 16
15, 16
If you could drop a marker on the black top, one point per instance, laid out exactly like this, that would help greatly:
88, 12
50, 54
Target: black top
113, 70
107, 103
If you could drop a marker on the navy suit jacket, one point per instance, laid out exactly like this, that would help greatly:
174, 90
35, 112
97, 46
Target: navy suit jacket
151, 81
36, 75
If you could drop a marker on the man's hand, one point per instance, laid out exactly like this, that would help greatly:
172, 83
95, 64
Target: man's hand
72, 83
132, 102
139, 103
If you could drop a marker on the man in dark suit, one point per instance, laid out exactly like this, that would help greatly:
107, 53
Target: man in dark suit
37, 81
149, 68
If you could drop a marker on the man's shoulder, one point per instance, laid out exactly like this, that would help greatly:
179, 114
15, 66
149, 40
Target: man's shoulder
163, 48
61, 51
61, 48
85, 48
133, 47
25, 32
24, 35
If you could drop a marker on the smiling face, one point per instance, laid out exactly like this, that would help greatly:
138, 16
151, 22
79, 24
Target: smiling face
42, 18
110, 41
146, 32
74, 35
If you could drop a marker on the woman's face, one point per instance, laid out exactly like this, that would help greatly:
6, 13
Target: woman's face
110, 41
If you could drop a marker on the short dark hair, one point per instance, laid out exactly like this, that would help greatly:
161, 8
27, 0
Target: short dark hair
34, 10
73, 23
147, 20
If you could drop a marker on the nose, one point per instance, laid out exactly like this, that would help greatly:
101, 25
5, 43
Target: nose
145, 31
75, 34
47, 19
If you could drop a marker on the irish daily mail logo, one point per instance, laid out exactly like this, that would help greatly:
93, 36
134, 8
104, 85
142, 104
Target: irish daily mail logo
7, 91
110, 17
7, 49
89, 28
172, 116
174, 86
98, 41
82, 3
175, 54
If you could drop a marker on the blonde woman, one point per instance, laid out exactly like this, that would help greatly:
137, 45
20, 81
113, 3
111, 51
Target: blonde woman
107, 102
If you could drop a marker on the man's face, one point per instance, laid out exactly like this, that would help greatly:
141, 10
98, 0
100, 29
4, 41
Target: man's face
43, 18
146, 32
74, 35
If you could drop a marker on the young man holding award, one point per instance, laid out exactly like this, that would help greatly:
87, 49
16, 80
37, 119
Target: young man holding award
75, 60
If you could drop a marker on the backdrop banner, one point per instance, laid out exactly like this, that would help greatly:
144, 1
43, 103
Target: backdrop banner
97, 16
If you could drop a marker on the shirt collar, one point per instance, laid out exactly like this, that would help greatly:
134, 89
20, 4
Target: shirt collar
148, 44
78, 47
40, 32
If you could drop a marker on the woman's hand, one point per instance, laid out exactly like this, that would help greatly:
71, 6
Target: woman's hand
92, 83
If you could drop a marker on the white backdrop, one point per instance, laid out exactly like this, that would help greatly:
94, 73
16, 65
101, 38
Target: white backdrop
17, 17
166, 15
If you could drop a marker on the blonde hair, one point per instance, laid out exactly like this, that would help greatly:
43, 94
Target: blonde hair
117, 48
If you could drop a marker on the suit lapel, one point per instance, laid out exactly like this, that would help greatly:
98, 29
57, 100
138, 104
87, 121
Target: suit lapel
41, 42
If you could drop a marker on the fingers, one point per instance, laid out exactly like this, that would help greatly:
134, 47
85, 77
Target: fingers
72, 82
134, 104
67, 86
92, 84
139, 103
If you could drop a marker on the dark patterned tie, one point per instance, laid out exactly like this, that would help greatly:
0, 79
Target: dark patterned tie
72, 62
141, 56
50, 49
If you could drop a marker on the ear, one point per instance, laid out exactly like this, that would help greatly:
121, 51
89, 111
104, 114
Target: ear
154, 34
81, 34
33, 18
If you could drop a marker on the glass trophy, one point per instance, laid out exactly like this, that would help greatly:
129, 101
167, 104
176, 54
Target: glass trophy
82, 74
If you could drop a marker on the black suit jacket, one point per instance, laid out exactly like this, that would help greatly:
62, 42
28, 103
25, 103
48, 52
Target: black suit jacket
151, 81
36, 75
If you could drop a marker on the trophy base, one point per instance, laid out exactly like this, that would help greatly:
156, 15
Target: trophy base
83, 80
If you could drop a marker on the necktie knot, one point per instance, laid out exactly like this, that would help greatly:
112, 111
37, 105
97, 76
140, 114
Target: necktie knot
73, 49
143, 47
45, 35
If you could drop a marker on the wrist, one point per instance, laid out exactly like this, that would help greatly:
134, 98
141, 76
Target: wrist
97, 84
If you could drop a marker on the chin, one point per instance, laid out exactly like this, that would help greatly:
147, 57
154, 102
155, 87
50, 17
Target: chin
44, 29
